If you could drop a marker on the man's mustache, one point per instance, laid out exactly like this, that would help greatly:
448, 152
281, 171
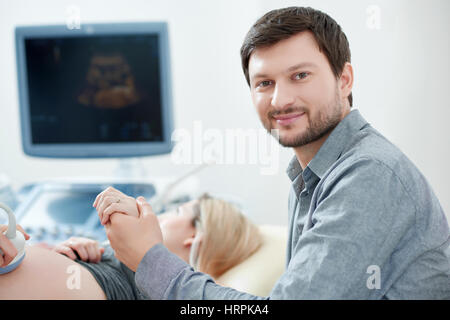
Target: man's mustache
274, 113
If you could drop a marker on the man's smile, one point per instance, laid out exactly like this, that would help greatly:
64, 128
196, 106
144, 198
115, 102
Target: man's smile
286, 119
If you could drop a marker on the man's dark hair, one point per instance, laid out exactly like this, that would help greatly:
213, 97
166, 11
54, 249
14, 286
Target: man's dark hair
281, 24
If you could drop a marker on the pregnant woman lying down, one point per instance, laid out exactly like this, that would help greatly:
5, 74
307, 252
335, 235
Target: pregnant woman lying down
209, 233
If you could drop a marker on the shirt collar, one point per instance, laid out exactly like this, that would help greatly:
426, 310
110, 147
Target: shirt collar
294, 168
332, 148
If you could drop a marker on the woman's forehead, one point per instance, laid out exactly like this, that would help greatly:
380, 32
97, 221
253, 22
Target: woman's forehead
190, 207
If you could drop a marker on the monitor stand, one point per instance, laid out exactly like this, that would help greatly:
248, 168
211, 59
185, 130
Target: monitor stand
131, 178
130, 169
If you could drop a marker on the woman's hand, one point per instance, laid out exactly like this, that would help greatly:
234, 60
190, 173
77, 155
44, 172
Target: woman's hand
112, 200
9, 251
87, 249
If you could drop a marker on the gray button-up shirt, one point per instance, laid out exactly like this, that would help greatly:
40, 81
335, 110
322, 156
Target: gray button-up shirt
363, 224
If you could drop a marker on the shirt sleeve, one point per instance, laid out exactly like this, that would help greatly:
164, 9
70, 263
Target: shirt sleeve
163, 275
359, 217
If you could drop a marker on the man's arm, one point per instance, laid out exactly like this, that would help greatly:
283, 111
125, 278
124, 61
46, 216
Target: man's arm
163, 275
160, 274
358, 221
359, 218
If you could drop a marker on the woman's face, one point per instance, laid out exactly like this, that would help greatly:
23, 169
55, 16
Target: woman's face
178, 229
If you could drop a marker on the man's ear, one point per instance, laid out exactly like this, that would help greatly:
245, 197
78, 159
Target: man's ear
346, 80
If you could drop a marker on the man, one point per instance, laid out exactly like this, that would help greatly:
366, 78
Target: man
363, 221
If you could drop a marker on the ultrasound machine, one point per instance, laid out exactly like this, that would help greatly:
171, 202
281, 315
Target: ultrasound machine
101, 91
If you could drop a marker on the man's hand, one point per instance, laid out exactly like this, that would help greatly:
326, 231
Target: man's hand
112, 200
132, 237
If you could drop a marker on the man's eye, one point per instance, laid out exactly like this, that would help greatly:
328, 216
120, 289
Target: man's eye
300, 75
264, 83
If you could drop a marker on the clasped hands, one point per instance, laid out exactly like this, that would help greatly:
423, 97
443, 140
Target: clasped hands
131, 225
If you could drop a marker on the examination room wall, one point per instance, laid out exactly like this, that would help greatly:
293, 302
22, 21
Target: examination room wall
401, 86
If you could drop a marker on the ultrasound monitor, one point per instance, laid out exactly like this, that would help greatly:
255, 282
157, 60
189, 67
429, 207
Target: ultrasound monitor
103, 90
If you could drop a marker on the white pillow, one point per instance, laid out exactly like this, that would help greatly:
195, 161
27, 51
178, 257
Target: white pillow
259, 272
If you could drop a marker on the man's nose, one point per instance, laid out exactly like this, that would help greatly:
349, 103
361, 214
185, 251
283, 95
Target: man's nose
282, 97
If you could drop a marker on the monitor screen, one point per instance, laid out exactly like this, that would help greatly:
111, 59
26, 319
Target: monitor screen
102, 91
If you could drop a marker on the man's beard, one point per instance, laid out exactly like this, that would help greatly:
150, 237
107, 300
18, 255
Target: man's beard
318, 127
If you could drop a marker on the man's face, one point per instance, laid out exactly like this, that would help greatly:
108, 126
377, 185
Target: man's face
294, 90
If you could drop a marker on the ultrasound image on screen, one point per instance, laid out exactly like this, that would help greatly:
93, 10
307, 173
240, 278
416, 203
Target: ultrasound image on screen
96, 89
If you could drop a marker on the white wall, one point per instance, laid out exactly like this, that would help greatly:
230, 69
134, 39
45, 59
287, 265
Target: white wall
401, 85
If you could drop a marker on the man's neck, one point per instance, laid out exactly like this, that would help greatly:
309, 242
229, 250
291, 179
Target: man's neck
307, 152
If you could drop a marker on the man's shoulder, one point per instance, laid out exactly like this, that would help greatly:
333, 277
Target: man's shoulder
371, 144
371, 159
370, 149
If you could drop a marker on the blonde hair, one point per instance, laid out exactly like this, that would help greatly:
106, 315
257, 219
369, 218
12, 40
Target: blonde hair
225, 237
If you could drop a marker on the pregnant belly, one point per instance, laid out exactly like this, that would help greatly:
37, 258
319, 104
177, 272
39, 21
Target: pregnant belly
45, 274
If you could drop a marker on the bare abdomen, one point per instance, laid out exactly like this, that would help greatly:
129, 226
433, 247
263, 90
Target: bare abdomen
45, 274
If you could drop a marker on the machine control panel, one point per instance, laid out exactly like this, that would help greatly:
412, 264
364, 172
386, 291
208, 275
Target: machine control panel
54, 212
